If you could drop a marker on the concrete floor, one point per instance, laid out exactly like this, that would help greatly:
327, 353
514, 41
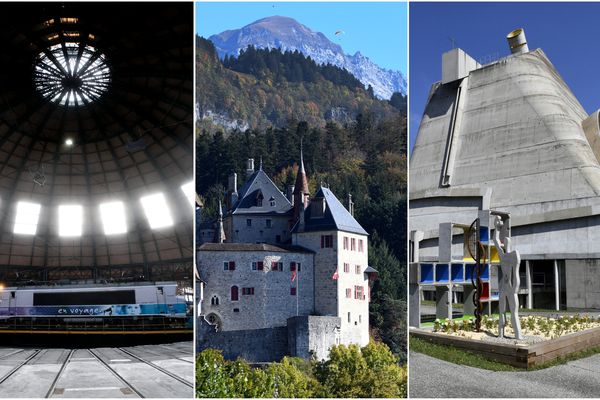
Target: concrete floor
156, 371
431, 377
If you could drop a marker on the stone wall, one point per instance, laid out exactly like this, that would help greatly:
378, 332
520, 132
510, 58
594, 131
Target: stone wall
272, 302
583, 283
253, 345
313, 335
258, 232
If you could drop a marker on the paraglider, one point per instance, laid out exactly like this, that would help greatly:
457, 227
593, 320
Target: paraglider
339, 32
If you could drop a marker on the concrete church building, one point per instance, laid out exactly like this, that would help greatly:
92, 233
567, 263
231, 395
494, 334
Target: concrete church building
282, 275
511, 136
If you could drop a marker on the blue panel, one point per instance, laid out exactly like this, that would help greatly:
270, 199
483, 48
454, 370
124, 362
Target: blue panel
442, 273
485, 272
458, 273
484, 234
469, 270
426, 273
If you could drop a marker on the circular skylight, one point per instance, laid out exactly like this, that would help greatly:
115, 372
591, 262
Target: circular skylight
71, 74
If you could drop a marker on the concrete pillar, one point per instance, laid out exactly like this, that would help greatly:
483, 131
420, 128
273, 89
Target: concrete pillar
468, 306
414, 296
443, 307
556, 286
529, 286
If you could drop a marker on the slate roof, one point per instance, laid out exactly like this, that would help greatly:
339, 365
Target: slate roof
253, 247
259, 182
336, 217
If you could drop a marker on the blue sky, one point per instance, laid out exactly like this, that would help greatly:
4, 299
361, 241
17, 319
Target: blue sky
569, 34
377, 30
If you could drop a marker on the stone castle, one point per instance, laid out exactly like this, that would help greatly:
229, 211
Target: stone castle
282, 275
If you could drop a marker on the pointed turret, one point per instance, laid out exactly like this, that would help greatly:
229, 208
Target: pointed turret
301, 192
220, 232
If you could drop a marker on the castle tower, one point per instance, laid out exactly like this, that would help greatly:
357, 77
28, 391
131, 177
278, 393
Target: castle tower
301, 192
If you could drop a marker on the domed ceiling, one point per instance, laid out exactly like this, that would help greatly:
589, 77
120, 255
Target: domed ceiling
96, 106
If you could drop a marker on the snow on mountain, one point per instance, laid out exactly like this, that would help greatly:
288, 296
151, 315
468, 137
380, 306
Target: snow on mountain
288, 34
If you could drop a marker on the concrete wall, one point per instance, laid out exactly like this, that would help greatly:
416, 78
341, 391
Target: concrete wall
272, 303
583, 283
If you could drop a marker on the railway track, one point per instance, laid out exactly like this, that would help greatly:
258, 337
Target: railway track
102, 372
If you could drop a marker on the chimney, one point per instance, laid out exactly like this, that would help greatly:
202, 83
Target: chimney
289, 193
232, 183
249, 167
232, 195
350, 205
517, 42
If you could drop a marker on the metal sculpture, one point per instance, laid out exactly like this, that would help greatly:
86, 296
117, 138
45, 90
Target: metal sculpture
509, 282
478, 253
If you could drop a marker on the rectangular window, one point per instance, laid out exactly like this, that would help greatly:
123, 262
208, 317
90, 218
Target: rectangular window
292, 266
348, 316
70, 220
346, 267
268, 223
156, 210
360, 246
359, 293
254, 265
229, 266
260, 265
248, 222
326, 241
353, 244
27, 218
278, 238
357, 269
345, 243
298, 265
248, 291
113, 217
293, 291
348, 293
276, 266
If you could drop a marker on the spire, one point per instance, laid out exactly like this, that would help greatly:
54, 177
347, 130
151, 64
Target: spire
301, 192
220, 233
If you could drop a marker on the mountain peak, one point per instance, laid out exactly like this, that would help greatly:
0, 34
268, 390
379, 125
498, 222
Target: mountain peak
286, 33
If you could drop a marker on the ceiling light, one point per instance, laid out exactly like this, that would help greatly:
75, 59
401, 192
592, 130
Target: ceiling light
113, 217
69, 142
70, 220
27, 218
156, 210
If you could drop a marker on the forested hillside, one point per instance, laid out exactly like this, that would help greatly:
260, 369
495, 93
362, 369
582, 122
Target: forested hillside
364, 155
267, 88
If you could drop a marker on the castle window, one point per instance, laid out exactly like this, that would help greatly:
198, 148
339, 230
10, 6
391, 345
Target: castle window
298, 265
292, 266
234, 293
326, 241
347, 267
214, 301
268, 223
359, 293
292, 291
318, 208
259, 199
278, 238
360, 246
257, 265
272, 201
348, 316
276, 266
248, 291
248, 222
359, 319
353, 244
236, 310
229, 266
357, 269
348, 293
345, 243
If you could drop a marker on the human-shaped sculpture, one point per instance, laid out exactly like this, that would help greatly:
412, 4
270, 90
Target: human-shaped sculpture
509, 284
